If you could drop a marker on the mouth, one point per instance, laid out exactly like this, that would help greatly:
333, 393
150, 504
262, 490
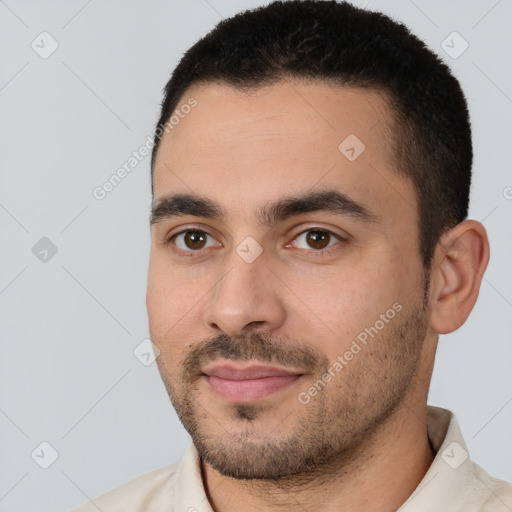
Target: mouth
248, 383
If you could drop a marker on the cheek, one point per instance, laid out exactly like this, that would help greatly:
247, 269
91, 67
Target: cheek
173, 303
171, 320
345, 303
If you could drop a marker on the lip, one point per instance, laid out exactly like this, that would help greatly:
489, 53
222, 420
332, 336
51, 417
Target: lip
248, 383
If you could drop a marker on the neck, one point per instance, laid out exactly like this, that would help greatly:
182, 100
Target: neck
380, 474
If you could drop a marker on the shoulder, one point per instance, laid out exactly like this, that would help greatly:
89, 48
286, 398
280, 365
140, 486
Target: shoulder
498, 493
150, 492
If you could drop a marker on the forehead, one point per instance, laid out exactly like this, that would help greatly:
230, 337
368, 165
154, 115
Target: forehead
284, 138
290, 114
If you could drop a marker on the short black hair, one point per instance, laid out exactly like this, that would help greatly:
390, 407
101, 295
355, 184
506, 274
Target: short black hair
349, 46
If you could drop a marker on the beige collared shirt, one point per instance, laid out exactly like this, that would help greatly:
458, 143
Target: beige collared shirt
452, 483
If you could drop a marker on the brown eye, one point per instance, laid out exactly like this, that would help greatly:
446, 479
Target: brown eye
318, 239
192, 240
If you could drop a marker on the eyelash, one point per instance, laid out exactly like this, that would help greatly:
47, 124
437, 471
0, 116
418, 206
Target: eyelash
317, 252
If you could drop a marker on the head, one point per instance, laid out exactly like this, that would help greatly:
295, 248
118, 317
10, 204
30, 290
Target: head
309, 211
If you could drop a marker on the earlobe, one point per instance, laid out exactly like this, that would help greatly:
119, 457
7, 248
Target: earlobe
461, 258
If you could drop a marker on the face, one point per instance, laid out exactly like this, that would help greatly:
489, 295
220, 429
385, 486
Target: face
286, 293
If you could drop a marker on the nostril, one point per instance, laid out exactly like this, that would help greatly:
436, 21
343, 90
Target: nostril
256, 323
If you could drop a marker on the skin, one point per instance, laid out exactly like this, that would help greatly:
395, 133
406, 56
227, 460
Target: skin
361, 441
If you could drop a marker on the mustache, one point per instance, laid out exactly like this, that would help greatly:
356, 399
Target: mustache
258, 347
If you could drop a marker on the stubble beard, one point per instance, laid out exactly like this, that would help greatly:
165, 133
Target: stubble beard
327, 431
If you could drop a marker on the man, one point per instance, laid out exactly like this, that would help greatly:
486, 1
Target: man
310, 175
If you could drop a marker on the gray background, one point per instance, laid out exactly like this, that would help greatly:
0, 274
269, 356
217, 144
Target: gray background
69, 325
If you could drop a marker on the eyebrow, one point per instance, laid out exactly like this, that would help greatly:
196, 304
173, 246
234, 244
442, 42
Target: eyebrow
271, 213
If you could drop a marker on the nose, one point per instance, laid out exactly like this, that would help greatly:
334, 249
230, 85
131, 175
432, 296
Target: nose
245, 299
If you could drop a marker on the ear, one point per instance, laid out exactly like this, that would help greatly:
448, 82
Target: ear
459, 263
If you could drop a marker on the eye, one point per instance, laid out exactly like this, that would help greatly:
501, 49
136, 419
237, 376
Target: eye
319, 239
196, 240
191, 240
